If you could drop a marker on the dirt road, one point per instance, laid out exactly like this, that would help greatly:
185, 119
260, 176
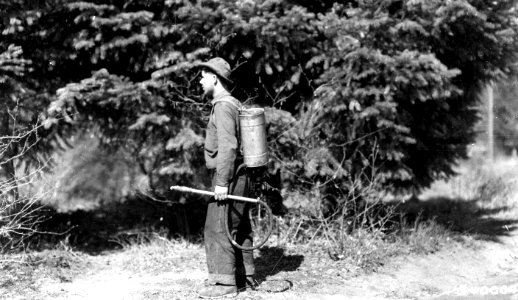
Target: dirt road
484, 270
479, 266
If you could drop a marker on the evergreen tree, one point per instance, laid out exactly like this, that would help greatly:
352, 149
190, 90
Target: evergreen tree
144, 97
402, 78
355, 86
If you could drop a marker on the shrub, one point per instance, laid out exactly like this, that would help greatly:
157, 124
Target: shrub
19, 212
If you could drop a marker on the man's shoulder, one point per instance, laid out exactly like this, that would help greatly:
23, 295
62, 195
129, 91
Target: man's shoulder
228, 101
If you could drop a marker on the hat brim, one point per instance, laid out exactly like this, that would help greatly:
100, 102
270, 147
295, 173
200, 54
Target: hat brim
211, 68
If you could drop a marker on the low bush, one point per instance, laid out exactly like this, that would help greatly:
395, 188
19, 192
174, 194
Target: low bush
20, 212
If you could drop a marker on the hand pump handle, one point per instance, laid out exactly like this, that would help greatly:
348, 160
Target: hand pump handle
207, 193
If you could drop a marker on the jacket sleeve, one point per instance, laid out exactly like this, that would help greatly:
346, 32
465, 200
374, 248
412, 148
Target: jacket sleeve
225, 120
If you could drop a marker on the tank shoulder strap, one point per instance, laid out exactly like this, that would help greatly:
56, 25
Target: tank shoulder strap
232, 101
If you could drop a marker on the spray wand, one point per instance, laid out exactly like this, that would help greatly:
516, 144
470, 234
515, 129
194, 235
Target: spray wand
185, 189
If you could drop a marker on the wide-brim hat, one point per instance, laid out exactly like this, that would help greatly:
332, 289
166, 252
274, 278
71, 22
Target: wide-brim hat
218, 66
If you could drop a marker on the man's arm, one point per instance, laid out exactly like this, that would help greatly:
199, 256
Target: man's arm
225, 119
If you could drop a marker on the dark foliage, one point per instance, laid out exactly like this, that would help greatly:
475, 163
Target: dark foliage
353, 88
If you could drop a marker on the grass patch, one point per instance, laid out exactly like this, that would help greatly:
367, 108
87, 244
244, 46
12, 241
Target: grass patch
480, 201
425, 237
24, 273
155, 252
313, 251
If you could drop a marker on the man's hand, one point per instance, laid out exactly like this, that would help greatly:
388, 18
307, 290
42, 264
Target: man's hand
220, 192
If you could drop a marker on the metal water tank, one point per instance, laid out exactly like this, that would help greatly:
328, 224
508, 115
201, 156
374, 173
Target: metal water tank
253, 137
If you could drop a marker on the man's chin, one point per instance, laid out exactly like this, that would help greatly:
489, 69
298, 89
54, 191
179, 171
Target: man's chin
207, 95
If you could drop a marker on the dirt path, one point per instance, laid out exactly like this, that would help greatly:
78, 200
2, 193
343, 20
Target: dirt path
481, 268
452, 273
455, 272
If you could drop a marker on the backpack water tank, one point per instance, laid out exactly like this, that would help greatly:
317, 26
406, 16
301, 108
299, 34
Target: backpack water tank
253, 137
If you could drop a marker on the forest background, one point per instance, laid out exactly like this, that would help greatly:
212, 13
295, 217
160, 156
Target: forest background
101, 108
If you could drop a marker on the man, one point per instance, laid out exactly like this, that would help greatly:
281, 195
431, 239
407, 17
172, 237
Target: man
229, 268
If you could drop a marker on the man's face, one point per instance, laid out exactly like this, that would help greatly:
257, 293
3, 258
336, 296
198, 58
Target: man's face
207, 81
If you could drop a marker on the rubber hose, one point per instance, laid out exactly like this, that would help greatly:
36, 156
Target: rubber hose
269, 231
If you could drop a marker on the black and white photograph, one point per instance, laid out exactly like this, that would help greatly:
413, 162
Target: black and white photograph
258, 149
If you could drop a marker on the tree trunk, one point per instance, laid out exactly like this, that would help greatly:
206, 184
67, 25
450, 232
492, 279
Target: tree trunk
6, 160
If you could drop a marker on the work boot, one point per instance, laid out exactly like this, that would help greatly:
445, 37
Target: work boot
218, 291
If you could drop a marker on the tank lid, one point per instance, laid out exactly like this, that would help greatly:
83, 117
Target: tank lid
251, 111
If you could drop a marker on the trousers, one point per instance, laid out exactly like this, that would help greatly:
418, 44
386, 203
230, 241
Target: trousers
225, 262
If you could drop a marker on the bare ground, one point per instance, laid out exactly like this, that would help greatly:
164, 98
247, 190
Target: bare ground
454, 272
481, 264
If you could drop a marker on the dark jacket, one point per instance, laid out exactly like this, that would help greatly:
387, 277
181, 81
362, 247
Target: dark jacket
222, 138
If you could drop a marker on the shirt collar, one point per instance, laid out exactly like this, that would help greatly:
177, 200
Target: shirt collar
220, 95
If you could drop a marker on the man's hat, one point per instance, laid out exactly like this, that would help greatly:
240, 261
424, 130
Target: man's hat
218, 66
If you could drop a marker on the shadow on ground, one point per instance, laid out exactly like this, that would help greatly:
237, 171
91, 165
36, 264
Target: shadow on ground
273, 260
113, 225
460, 215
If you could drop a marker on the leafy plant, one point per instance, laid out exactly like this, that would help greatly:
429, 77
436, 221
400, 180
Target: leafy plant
344, 80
